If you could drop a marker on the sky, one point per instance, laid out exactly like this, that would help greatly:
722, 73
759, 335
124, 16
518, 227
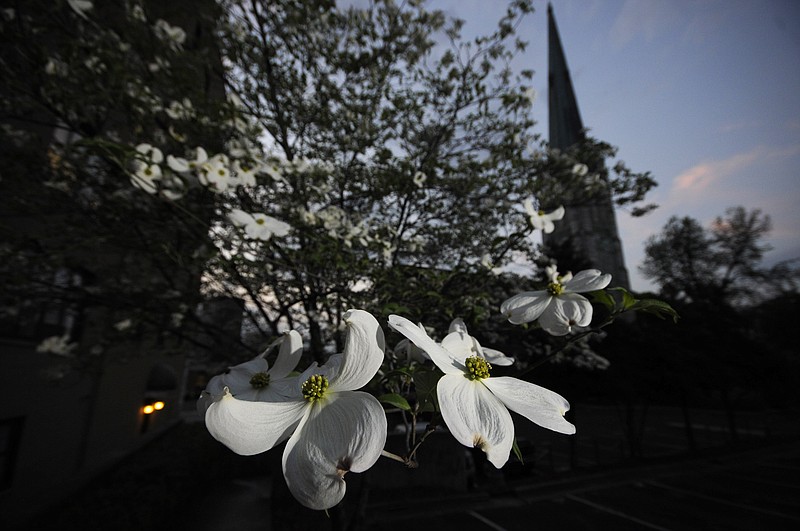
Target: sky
704, 94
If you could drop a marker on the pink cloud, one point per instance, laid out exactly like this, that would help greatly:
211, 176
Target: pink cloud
701, 176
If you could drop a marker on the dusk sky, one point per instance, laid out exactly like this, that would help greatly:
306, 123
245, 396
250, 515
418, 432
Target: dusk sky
705, 94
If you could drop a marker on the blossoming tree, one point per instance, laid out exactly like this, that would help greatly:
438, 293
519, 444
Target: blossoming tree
308, 159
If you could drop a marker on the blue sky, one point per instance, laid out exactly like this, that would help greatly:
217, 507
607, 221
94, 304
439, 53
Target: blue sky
705, 94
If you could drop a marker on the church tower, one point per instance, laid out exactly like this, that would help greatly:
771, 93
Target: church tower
589, 229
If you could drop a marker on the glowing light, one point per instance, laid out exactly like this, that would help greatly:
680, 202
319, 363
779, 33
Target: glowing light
148, 409
158, 406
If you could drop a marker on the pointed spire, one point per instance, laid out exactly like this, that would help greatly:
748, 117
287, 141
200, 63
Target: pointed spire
588, 230
566, 126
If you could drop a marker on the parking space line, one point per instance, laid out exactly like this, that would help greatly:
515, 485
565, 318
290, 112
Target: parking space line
615, 512
486, 521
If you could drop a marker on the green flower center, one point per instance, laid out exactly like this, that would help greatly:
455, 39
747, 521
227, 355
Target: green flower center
260, 380
314, 388
260, 221
477, 368
555, 288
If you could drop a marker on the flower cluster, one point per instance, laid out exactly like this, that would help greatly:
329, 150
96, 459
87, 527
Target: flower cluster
333, 428
155, 174
338, 225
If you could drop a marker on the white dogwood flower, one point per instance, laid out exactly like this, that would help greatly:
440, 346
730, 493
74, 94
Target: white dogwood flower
58, 345
146, 169
530, 94
259, 226
332, 428
245, 173
183, 166
215, 173
559, 307
473, 404
145, 177
255, 380
180, 110
174, 35
150, 153
541, 221
580, 169
274, 170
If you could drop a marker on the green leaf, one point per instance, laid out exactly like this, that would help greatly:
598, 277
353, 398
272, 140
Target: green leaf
394, 308
628, 300
425, 384
393, 399
603, 298
660, 309
517, 452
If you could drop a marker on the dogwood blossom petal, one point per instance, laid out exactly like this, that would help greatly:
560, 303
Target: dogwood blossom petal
566, 311
475, 417
526, 306
276, 227
535, 403
289, 354
457, 325
345, 433
80, 7
178, 164
557, 214
469, 346
587, 280
240, 218
461, 346
527, 203
363, 351
417, 335
495, 357
249, 428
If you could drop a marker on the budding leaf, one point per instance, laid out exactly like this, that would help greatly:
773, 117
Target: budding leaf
628, 301
517, 451
603, 298
393, 399
660, 309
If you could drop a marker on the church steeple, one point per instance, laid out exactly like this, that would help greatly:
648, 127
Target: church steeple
566, 126
588, 233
